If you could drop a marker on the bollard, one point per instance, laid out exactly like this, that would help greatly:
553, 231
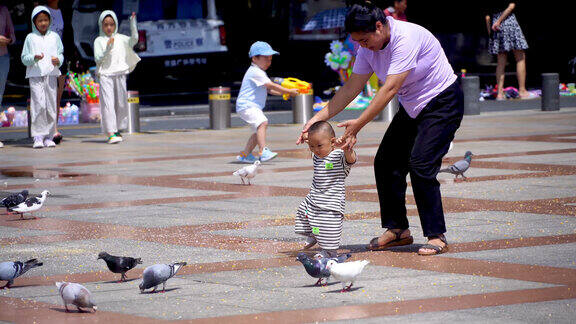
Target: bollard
471, 89
388, 113
219, 98
133, 112
302, 108
550, 92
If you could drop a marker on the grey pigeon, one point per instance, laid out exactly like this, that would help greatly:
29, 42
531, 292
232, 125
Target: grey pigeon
316, 267
459, 167
14, 200
75, 294
118, 264
12, 270
158, 274
31, 204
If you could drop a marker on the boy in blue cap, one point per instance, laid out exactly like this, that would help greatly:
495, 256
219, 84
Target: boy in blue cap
252, 99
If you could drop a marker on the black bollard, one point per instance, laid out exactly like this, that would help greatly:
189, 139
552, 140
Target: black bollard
471, 89
550, 92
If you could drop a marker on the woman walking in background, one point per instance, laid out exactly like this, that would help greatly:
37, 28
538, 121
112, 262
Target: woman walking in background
506, 36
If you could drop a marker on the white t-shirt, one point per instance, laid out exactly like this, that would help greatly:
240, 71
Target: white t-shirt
57, 22
253, 93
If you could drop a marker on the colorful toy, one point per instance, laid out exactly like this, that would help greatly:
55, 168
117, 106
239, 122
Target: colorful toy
68, 115
293, 83
339, 60
83, 85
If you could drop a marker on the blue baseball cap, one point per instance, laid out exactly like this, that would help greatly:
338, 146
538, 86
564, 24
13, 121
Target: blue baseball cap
261, 48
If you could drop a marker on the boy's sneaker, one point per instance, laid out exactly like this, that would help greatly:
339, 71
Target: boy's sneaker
309, 242
38, 142
49, 143
267, 155
118, 134
114, 139
246, 159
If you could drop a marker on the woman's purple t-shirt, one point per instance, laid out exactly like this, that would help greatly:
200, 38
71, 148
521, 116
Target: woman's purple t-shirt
411, 47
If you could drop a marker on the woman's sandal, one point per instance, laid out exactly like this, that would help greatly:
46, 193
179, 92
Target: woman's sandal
398, 241
437, 249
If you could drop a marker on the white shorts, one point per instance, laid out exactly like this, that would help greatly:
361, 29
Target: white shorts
253, 116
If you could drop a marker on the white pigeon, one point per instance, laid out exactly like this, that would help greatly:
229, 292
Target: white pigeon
31, 204
75, 294
346, 271
248, 172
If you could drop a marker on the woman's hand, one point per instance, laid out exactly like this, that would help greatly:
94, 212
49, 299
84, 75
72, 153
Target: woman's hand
303, 138
4, 40
348, 140
496, 26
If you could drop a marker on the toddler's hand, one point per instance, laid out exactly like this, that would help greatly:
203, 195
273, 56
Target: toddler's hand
39, 57
339, 142
55, 61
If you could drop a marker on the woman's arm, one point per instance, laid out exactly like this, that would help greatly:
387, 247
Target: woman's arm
503, 16
488, 24
9, 28
341, 99
385, 94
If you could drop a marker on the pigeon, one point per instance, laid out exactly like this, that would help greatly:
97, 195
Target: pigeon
316, 267
75, 294
248, 172
118, 264
31, 204
14, 200
346, 272
12, 270
158, 274
459, 167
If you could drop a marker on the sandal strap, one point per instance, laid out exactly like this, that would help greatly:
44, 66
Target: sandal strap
441, 237
432, 247
397, 234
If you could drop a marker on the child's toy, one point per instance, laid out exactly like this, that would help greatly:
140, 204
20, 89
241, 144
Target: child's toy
339, 60
7, 117
20, 118
83, 85
4, 120
567, 89
293, 83
68, 115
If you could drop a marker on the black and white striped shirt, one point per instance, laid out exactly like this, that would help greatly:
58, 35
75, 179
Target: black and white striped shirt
328, 191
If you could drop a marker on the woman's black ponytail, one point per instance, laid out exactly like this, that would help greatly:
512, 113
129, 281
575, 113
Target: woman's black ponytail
362, 17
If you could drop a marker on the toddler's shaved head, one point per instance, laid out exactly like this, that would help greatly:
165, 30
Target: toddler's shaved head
321, 127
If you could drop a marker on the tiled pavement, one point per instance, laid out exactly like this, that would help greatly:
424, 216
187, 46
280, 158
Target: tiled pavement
170, 196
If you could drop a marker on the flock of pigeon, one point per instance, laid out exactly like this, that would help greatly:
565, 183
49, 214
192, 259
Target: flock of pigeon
319, 266
78, 295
